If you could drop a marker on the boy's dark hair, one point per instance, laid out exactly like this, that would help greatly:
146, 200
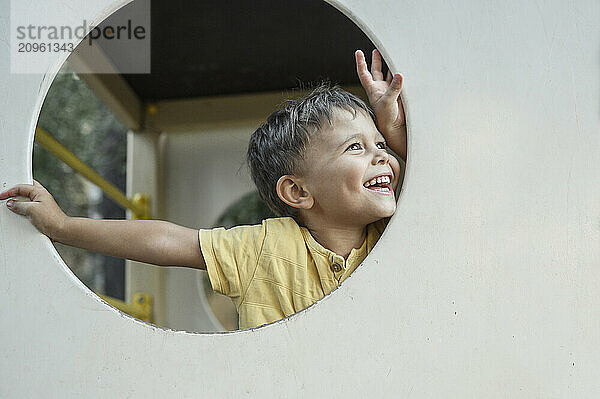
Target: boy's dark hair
277, 146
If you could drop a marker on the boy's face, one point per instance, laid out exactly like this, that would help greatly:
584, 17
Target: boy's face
341, 161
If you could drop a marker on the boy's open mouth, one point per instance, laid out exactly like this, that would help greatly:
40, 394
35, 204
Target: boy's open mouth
380, 184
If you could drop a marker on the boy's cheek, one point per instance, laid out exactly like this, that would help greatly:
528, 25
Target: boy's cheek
396, 169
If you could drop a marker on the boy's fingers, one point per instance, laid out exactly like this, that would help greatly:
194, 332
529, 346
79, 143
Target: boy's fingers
24, 190
376, 65
389, 77
395, 87
20, 207
361, 69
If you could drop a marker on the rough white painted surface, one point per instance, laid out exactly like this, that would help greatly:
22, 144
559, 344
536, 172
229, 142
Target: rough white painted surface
486, 283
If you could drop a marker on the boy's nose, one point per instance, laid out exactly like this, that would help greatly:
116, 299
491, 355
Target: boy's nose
381, 156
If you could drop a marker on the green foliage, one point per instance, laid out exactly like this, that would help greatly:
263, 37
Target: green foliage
248, 210
75, 117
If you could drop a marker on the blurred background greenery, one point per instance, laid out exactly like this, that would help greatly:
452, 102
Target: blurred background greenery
75, 117
249, 209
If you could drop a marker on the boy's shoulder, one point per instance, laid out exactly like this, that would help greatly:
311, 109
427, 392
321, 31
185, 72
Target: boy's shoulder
282, 228
281, 222
274, 223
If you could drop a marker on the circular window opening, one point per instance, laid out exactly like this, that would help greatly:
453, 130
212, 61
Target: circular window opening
183, 157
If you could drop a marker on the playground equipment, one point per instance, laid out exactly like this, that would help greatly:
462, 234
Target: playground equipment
485, 284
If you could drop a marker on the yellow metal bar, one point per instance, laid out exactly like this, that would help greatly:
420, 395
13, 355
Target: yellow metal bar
142, 201
140, 306
139, 206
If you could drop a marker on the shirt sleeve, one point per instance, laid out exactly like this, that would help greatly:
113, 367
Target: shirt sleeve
231, 256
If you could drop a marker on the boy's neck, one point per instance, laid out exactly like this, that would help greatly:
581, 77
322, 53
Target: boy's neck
339, 239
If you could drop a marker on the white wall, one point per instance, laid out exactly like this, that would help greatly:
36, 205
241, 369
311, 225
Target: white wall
485, 284
204, 174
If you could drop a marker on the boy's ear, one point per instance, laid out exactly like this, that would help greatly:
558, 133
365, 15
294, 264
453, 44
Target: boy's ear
289, 190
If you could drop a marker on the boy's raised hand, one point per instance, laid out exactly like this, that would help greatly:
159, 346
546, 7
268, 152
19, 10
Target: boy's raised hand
384, 96
39, 206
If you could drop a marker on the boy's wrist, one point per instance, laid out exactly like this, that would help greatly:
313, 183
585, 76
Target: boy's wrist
392, 129
395, 137
61, 231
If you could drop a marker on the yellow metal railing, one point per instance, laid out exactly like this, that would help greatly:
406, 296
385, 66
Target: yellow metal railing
141, 303
140, 306
139, 204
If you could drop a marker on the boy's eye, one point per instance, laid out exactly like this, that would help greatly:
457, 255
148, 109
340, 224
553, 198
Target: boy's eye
354, 146
382, 145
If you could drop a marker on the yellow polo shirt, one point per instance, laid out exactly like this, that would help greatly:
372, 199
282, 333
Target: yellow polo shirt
275, 269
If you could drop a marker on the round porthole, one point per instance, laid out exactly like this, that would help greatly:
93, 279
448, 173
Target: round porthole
200, 107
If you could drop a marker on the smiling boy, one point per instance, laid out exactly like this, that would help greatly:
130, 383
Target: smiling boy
320, 163
350, 182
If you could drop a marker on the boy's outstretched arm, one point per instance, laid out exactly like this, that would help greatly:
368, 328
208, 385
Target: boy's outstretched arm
384, 96
150, 241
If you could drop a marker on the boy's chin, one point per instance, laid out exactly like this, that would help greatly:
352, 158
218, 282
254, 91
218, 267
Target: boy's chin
389, 209
382, 214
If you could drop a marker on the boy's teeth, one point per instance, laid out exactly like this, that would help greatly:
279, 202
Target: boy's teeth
378, 180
